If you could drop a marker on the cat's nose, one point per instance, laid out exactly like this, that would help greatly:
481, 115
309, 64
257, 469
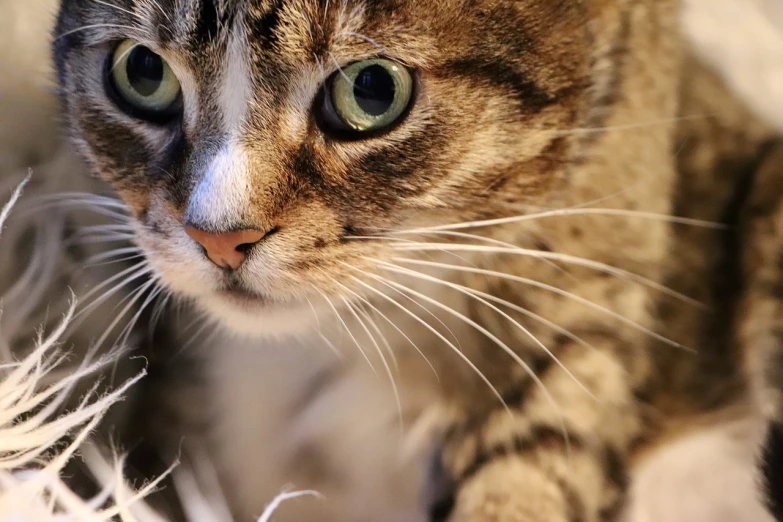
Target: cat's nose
226, 249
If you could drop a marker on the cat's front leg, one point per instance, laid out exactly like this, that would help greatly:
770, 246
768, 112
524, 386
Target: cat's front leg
557, 453
513, 489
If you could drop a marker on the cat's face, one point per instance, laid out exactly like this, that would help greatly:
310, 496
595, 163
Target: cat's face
272, 135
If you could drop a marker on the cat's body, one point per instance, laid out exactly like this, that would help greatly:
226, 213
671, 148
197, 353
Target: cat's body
558, 363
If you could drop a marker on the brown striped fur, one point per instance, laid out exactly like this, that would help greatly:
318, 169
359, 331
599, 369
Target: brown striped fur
521, 105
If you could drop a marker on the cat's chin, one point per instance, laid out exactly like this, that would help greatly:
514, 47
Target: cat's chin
257, 317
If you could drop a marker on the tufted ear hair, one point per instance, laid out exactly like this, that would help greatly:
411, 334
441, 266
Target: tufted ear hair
772, 470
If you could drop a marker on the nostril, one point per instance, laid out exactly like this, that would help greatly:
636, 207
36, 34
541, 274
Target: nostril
245, 248
228, 249
271, 232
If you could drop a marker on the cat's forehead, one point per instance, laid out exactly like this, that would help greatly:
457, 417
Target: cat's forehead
208, 24
307, 28
281, 36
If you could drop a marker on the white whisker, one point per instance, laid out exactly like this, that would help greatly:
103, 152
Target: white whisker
340, 69
567, 212
385, 363
128, 330
331, 346
374, 325
136, 295
162, 11
133, 30
83, 198
345, 327
393, 325
271, 508
470, 293
558, 291
121, 9
546, 322
422, 307
119, 260
628, 126
489, 335
554, 256
157, 312
100, 238
119, 59
463, 235
111, 254
460, 354
130, 274
197, 334
112, 227
365, 38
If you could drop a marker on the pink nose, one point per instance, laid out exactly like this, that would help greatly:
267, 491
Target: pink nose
226, 249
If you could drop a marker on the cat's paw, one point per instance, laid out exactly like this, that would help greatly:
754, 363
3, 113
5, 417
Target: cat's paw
508, 490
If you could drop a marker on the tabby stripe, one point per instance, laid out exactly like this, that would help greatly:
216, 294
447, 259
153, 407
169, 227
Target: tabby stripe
601, 106
540, 437
265, 28
548, 438
208, 22
577, 511
615, 468
540, 366
772, 469
611, 513
513, 397
391, 166
498, 72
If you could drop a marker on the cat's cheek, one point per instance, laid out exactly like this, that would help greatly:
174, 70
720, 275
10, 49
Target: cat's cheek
178, 264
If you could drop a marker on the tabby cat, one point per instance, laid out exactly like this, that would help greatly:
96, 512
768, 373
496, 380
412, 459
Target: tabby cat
436, 242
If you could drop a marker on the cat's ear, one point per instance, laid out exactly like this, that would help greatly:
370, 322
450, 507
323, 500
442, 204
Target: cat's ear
772, 470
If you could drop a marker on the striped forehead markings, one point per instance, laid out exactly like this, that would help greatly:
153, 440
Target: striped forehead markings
208, 21
265, 26
236, 85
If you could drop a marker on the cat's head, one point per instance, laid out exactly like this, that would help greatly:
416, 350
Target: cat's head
259, 143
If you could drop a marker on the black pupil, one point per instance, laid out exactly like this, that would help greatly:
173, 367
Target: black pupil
374, 90
145, 71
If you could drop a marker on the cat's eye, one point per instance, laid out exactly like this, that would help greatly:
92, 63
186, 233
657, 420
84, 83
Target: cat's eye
144, 82
367, 96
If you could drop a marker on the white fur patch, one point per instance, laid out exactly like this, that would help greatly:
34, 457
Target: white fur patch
237, 84
222, 196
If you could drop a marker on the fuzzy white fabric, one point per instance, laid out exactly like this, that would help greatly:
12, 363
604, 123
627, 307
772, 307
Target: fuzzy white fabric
741, 38
31, 488
32, 461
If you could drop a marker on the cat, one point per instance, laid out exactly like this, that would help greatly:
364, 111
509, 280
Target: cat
751, 68
470, 203
761, 314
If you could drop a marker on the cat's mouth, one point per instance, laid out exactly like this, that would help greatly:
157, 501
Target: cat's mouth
255, 314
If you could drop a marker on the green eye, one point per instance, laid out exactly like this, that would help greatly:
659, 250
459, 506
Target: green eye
367, 96
144, 81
